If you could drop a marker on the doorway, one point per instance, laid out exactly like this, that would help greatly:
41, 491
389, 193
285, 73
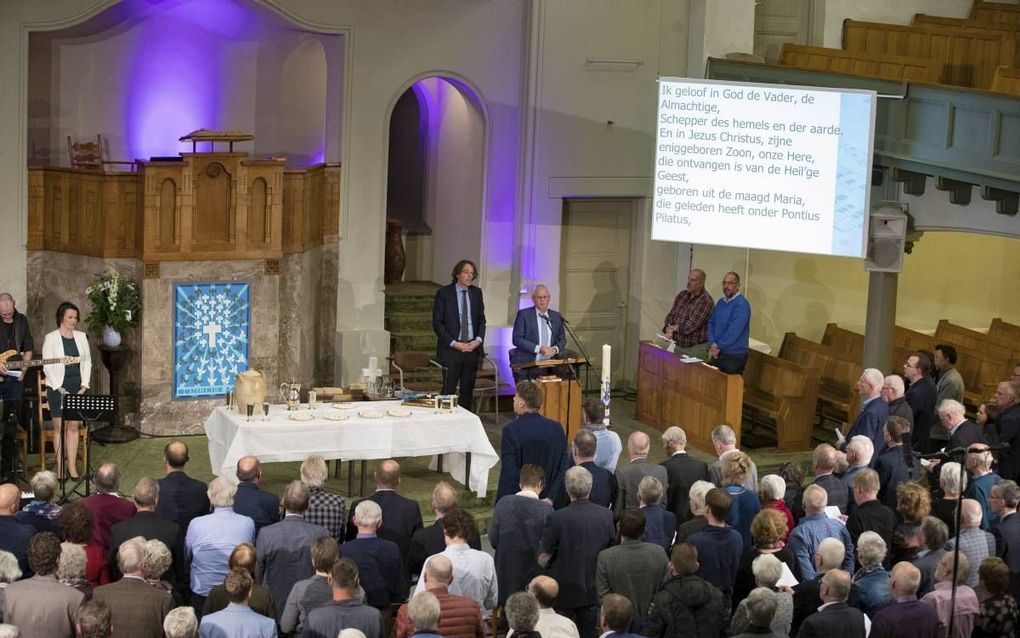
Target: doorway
595, 278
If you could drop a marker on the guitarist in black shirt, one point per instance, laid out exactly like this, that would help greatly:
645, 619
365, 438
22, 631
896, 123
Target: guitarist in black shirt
14, 335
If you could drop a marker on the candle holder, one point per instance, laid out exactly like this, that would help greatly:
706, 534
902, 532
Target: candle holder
251, 410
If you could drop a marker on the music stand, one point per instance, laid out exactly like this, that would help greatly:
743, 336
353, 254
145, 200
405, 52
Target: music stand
89, 409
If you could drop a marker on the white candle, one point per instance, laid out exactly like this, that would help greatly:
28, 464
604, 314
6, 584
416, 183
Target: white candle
606, 357
373, 363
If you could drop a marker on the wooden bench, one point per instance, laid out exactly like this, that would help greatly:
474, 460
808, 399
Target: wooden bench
784, 392
886, 67
977, 341
1004, 332
995, 12
967, 58
838, 398
1006, 80
974, 26
848, 342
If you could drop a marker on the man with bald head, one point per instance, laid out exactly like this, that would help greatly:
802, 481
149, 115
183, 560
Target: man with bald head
107, 506
459, 616
687, 321
181, 498
14, 535
873, 411
893, 394
812, 530
835, 619
906, 617
538, 334
823, 462
148, 525
401, 516
550, 624
257, 504
976, 543
629, 476
429, 540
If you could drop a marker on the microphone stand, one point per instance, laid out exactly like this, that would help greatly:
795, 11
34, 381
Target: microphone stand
584, 353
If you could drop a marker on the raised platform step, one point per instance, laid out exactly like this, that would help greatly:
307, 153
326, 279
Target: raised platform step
402, 322
413, 341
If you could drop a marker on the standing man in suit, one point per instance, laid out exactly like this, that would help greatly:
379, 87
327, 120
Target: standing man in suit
615, 617
874, 411
729, 327
401, 516
531, 438
42, 606
604, 489
682, 470
146, 524
138, 609
1005, 498
106, 505
181, 498
929, 435
458, 319
429, 540
284, 549
1007, 397
629, 476
835, 619
259, 505
962, 432
570, 546
538, 334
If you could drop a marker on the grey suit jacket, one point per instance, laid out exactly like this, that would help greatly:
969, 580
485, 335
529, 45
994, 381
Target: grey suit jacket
284, 552
42, 607
633, 569
629, 476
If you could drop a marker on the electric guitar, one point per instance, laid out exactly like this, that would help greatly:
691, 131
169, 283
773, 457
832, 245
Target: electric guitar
32, 363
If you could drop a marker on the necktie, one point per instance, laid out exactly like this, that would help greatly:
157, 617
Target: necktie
464, 317
544, 330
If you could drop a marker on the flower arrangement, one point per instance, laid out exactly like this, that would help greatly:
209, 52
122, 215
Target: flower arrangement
115, 302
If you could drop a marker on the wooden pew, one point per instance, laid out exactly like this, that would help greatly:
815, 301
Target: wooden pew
974, 26
968, 58
996, 12
886, 67
1004, 332
977, 341
838, 397
1006, 80
846, 341
694, 396
784, 392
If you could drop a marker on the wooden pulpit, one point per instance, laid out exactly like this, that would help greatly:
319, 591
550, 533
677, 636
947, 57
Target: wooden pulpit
562, 402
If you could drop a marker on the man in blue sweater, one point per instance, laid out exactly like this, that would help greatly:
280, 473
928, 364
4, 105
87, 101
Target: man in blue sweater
729, 327
719, 546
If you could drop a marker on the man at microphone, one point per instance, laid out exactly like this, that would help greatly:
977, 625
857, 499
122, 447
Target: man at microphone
538, 334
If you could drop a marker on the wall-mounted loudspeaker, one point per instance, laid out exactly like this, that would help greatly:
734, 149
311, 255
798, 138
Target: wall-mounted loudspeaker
887, 232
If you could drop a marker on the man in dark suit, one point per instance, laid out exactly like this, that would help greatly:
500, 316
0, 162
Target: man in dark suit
538, 334
870, 515
146, 524
569, 549
1007, 397
137, 608
823, 462
682, 470
962, 432
629, 476
284, 549
429, 540
1005, 498
532, 438
181, 498
928, 434
603, 482
835, 619
383, 575
458, 319
14, 535
807, 598
259, 505
874, 412
401, 517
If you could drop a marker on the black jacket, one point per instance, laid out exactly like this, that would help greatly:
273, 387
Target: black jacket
683, 470
687, 607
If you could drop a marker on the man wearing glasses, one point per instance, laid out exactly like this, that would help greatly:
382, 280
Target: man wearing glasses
929, 435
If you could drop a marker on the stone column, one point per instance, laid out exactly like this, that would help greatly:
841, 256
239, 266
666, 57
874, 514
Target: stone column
880, 319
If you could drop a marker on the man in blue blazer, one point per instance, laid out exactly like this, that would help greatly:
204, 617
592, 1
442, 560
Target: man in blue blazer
259, 505
615, 617
870, 420
532, 438
538, 334
458, 319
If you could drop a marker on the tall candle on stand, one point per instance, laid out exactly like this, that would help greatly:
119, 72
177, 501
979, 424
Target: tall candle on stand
607, 352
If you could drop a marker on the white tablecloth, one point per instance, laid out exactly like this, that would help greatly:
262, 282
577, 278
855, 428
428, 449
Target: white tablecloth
424, 433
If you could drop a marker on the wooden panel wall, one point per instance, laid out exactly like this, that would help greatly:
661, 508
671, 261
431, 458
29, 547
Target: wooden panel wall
209, 207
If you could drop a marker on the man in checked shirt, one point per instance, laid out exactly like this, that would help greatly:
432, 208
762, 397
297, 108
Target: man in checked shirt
687, 322
324, 508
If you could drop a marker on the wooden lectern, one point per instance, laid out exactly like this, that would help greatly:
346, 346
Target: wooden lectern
562, 397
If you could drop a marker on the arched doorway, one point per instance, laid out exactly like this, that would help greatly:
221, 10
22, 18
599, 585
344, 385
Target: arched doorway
436, 175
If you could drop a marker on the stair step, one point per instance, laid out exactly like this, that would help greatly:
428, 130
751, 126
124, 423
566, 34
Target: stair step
408, 321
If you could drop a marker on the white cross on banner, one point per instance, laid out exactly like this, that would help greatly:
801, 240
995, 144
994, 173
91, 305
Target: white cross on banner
212, 330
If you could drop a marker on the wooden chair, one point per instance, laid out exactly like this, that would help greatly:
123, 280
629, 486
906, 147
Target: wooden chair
419, 376
88, 155
42, 414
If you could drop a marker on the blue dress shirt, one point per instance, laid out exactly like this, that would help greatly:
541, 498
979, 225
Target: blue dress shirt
208, 544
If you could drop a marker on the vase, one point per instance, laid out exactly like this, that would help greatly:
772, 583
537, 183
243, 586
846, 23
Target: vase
396, 258
111, 337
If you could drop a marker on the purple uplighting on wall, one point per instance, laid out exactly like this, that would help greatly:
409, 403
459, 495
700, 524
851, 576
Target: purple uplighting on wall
173, 87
